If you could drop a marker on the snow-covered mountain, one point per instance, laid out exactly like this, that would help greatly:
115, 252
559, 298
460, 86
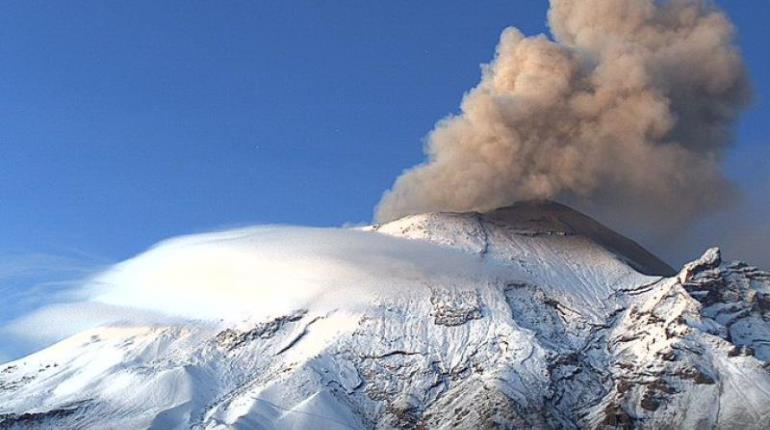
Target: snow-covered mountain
532, 316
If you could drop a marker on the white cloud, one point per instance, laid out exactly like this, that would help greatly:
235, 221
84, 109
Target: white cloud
245, 273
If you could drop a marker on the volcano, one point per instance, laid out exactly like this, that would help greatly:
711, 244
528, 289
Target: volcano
529, 316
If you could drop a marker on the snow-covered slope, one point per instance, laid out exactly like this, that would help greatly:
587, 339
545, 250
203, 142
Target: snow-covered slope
532, 316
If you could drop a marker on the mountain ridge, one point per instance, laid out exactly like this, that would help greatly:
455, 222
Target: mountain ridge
543, 216
506, 319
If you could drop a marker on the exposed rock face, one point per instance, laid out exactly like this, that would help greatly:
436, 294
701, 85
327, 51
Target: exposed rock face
452, 308
72, 413
567, 334
736, 296
231, 339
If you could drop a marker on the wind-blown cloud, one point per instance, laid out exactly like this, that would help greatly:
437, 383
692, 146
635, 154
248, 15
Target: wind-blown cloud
31, 282
241, 274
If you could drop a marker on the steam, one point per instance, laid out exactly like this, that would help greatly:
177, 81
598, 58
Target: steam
629, 109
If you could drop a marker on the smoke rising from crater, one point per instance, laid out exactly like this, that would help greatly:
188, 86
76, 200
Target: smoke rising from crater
629, 108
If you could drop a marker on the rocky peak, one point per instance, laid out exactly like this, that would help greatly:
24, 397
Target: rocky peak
711, 259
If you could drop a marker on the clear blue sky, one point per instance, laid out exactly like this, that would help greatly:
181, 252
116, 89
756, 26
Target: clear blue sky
126, 122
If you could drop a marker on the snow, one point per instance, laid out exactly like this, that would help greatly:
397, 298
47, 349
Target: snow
436, 320
272, 271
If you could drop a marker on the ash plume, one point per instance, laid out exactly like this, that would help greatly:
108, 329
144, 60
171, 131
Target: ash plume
629, 109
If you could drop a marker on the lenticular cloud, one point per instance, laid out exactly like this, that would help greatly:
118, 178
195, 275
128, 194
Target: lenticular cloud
260, 271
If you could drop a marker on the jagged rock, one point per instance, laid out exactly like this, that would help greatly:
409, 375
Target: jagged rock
231, 338
56, 418
452, 308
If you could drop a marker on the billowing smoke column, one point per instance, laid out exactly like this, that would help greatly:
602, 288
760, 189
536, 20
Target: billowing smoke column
629, 107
